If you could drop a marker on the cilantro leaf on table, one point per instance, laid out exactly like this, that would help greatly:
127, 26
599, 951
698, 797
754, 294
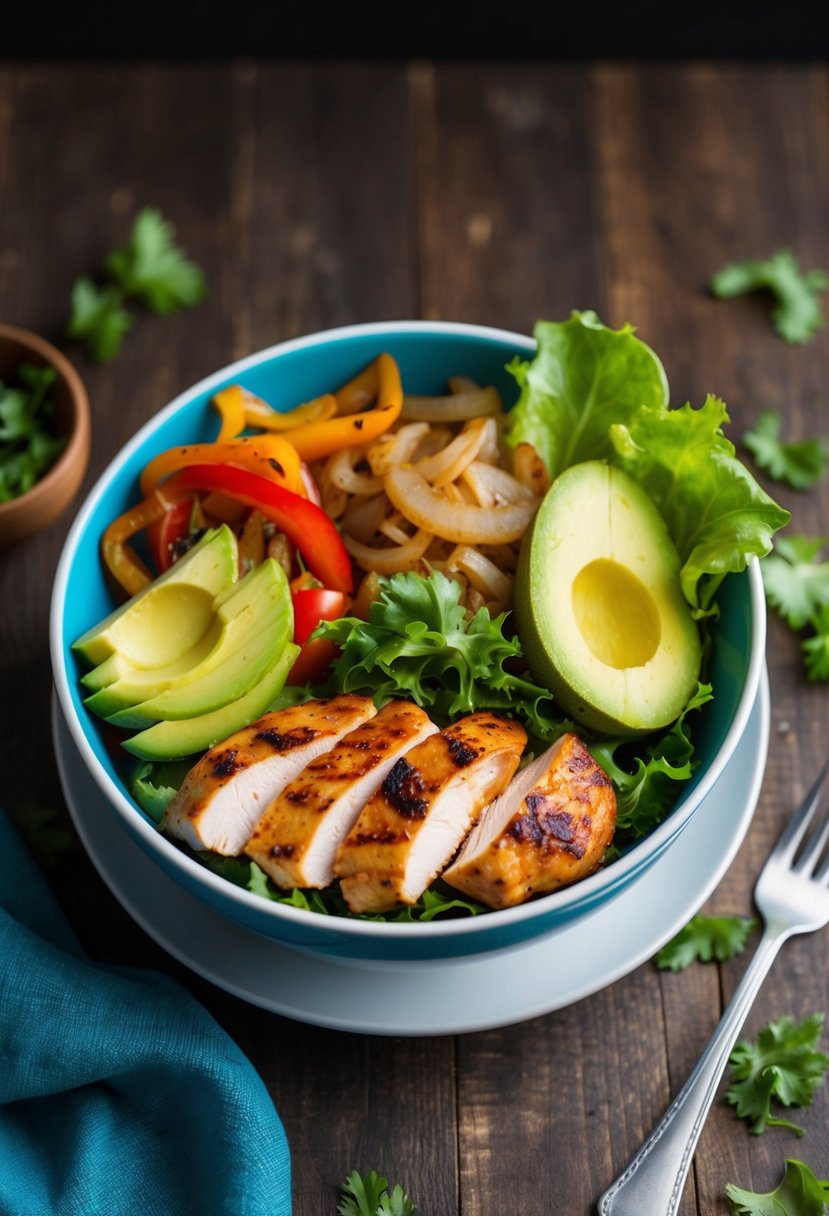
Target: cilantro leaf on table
798, 311
368, 1195
419, 643
98, 319
704, 939
796, 584
816, 647
782, 1063
800, 465
153, 268
799, 1194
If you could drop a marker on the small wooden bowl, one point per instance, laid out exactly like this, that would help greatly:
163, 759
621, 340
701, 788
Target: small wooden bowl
49, 497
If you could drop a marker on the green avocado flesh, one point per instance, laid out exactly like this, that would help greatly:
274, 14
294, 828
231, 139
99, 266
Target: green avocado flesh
255, 624
171, 615
185, 737
598, 605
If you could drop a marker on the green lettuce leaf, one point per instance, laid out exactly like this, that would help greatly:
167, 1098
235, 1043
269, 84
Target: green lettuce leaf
154, 783
717, 514
645, 775
583, 378
419, 643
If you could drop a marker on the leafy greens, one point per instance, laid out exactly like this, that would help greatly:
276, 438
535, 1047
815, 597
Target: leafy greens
368, 1195
595, 392
419, 642
782, 1063
799, 465
797, 586
152, 269
799, 1194
798, 310
28, 443
704, 939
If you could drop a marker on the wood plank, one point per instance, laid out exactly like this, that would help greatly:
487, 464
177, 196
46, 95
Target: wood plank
699, 168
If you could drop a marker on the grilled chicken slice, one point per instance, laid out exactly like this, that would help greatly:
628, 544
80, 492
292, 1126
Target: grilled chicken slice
549, 828
415, 821
225, 794
297, 838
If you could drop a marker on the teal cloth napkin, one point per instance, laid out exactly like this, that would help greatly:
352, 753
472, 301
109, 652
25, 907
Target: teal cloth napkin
119, 1094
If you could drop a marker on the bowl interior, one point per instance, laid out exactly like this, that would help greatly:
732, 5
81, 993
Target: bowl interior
427, 355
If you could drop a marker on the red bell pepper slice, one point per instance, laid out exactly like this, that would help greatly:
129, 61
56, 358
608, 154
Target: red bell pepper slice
304, 523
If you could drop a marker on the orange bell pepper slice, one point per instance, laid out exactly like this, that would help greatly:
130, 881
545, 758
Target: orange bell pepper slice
230, 403
380, 383
270, 456
123, 564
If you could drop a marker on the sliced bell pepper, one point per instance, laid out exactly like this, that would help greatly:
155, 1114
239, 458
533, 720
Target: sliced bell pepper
230, 403
305, 524
123, 564
380, 381
269, 456
259, 413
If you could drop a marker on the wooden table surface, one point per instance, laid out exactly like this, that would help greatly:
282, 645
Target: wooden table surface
317, 195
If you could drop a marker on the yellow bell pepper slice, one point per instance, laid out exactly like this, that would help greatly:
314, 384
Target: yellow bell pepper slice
380, 383
230, 403
123, 564
259, 413
269, 455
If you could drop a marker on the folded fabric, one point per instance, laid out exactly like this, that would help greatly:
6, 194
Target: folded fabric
119, 1094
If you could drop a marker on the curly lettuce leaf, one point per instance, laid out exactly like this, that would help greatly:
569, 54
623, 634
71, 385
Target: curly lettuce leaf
419, 643
645, 776
154, 783
584, 377
717, 514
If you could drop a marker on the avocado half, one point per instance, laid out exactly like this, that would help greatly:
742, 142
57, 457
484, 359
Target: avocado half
598, 605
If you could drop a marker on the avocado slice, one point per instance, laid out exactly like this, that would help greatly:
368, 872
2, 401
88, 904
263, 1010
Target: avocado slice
187, 736
116, 668
598, 605
256, 625
169, 616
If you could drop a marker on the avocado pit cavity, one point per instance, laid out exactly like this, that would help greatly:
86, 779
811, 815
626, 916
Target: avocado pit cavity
616, 614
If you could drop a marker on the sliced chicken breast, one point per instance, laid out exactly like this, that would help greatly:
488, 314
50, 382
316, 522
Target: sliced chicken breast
297, 838
415, 821
225, 794
549, 828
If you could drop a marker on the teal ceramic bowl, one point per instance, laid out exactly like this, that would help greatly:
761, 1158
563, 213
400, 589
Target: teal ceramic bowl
428, 353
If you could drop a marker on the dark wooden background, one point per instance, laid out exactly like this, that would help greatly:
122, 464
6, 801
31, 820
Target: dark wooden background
317, 195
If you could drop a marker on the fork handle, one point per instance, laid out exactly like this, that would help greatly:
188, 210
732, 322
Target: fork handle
654, 1180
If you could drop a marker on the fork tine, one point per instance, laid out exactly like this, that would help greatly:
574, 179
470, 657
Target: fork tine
799, 822
814, 848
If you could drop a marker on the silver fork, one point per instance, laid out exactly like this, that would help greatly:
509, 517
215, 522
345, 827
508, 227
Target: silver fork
792, 895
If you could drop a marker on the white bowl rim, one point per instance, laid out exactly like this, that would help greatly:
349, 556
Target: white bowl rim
225, 890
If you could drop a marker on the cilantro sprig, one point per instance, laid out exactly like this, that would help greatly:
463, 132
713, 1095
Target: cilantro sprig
797, 313
799, 1194
782, 1064
796, 581
704, 939
800, 465
368, 1195
28, 443
151, 269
